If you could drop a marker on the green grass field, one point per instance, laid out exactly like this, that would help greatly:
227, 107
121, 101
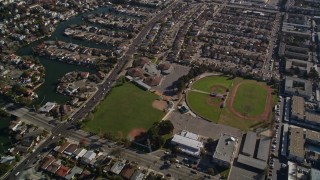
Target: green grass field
125, 108
250, 99
206, 83
198, 103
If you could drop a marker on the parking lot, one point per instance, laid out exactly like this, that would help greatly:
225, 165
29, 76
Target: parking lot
200, 126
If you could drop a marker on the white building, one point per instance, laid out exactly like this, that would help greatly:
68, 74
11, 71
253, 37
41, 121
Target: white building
47, 107
188, 143
89, 156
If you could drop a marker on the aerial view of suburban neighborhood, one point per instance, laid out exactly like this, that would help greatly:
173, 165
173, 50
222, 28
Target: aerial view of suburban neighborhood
160, 89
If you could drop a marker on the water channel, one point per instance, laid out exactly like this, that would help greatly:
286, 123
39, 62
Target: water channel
54, 70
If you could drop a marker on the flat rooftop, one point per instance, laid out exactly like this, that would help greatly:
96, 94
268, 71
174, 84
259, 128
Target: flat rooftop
313, 136
250, 161
225, 148
297, 141
264, 147
297, 107
299, 86
249, 143
313, 117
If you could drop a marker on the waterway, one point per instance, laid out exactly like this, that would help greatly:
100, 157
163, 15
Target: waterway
54, 70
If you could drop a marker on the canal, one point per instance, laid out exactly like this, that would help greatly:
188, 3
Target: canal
54, 70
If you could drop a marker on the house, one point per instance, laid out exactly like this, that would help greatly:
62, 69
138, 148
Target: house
141, 62
47, 107
62, 171
84, 75
225, 150
79, 153
7, 160
101, 75
15, 124
53, 167
47, 161
135, 72
88, 156
75, 170
27, 142
138, 175
118, 166
188, 143
127, 172
61, 148
71, 149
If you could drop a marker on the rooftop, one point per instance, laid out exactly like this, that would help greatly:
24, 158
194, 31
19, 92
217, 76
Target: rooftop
264, 147
75, 170
118, 166
313, 117
47, 107
297, 107
296, 145
250, 161
313, 136
187, 144
249, 143
225, 148
315, 174
298, 86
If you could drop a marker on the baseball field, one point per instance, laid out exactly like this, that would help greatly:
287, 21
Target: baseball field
231, 101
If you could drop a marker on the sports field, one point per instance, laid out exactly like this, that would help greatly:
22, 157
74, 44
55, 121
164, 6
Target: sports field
206, 83
199, 104
247, 104
250, 99
127, 107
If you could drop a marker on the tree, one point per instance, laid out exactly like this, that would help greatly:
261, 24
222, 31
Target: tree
3, 169
17, 157
165, 127
211, 171
314, 75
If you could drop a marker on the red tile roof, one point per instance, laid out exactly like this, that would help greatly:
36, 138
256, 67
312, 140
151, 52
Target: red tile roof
62, 171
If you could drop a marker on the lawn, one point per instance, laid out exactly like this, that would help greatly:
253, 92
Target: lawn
206, 83
198, 103
125, 108
250, 99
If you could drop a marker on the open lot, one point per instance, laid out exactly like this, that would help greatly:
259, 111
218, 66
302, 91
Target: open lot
126, 108
248, 103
